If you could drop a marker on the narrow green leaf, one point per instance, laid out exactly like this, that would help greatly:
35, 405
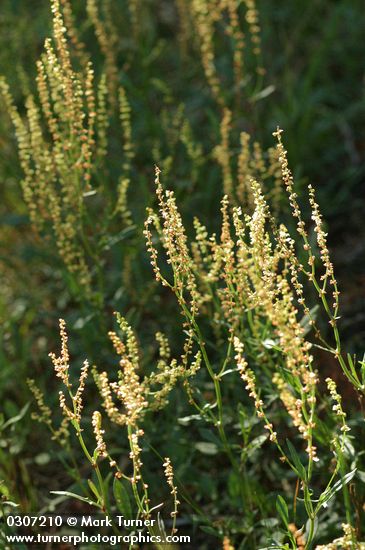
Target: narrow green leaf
255, 444
361, 475
16, 418
10, 503
122, 499
94, 488
74, 495
296, 460
263, 93
206, 448
282, 509
327, 495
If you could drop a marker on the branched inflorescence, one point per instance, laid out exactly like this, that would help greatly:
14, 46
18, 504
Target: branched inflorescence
255, 274
62, 142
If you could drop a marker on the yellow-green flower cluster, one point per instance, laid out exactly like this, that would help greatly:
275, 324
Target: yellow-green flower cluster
61, 366
251, 162
252, 268
125, 117
347, 542
108, 40
169, 474
337, 406
209, 18
138, 395
62, 140
99, 434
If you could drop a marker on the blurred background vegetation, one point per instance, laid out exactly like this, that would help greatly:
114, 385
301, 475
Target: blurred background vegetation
313, 88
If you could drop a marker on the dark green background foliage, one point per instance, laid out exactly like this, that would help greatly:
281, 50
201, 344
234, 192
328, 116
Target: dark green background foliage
314, 90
